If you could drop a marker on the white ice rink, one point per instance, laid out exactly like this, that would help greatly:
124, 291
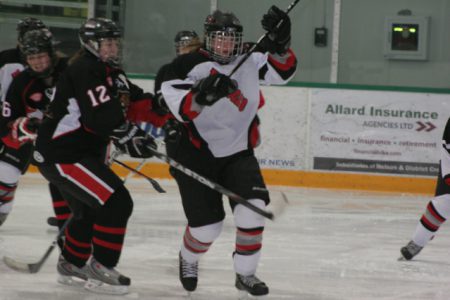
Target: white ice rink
327, 245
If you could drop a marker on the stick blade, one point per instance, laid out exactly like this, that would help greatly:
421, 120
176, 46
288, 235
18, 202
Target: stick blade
278, 204
19, 266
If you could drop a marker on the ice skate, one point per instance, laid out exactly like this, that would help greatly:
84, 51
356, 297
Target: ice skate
105, 280
250, 284
188, 274
70, 274
409, 251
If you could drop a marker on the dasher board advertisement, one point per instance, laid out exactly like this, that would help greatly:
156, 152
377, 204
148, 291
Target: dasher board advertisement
379, 132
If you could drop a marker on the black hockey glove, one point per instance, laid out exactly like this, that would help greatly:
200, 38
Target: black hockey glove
211, 89
159, 105
278, 24
134, 141
172, 131
24, 129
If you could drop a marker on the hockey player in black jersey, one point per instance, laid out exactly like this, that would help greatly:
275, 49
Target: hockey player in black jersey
88, 111
23, 107
220, 132
186, 41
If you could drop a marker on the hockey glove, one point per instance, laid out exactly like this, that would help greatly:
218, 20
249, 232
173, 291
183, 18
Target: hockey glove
23, 129
211, 89
159, 105
134, 141
278, 24
172, 131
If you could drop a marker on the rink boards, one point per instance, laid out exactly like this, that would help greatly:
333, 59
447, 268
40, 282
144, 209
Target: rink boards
344, 137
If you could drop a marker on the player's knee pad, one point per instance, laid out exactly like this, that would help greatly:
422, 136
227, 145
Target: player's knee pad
245, 218
199, 239
119, 204
442, 205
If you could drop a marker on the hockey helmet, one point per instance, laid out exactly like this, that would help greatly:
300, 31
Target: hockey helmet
223, 36
28, 24
94, 31
35, 42
186, 41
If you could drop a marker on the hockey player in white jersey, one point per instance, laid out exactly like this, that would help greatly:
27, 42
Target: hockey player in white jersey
438, 209
219, 133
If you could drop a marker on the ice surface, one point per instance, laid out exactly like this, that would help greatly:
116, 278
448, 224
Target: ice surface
327, 245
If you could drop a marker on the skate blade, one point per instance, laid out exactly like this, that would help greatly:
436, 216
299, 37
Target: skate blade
100, 287
71, 281
244, 295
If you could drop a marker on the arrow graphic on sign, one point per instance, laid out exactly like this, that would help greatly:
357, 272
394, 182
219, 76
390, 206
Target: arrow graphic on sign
427, 126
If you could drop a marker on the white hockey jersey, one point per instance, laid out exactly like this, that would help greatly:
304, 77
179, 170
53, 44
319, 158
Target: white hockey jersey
225, 127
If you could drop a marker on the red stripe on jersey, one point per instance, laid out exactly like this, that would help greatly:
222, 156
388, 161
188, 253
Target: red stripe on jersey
283, 66
186, 107
262, 101
105, 244
254, 137
111, 230
434, 212
77, 254
86, 181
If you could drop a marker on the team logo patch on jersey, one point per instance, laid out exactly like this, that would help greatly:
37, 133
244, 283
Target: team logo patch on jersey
38, 157
36, 97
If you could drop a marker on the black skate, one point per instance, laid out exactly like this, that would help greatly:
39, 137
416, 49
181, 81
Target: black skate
105, 280
188, 274
409, 251
251, 284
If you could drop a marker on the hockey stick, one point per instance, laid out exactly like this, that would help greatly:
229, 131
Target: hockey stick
35, 267
252, 49
152, 181
138, 168
212, 185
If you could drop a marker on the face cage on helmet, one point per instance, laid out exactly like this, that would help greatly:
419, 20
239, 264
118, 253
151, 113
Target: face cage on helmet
93, 46
213, 47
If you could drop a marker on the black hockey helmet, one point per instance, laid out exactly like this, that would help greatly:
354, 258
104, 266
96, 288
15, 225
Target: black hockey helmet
223, 25
38, 41
28, 24
186, 38
94, 30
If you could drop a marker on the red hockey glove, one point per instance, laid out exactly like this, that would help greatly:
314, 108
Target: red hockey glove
23, 129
